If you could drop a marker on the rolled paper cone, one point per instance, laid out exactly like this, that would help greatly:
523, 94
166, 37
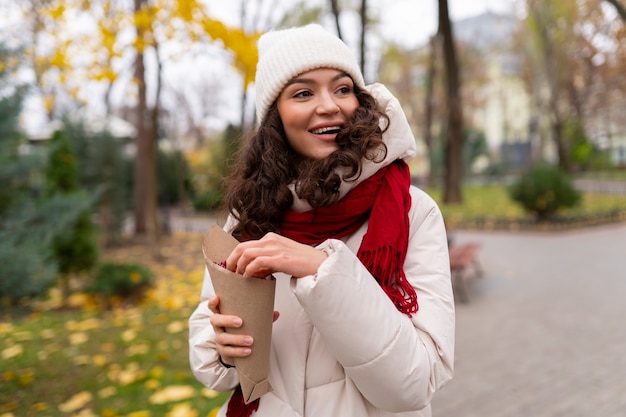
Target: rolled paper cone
252, 299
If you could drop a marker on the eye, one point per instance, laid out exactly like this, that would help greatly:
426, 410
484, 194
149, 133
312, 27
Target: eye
345, 90
302, 94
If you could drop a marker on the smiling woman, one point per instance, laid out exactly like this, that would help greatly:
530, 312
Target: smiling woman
321, 198
314, 107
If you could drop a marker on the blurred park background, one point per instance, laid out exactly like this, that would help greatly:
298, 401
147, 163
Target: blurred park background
119, 118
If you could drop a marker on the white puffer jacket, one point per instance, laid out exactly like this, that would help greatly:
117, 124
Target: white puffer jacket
340, 347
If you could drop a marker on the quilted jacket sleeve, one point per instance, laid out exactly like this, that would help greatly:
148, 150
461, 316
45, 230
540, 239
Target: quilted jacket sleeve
203, 357
396, 362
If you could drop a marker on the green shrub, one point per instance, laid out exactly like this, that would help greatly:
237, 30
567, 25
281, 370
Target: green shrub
543, 190
208, 200
123, 280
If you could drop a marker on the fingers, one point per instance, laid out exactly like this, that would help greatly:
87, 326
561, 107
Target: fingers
214, 303
274, 253
233, 345
229, 345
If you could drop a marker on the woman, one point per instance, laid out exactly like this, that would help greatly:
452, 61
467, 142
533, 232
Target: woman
321, 198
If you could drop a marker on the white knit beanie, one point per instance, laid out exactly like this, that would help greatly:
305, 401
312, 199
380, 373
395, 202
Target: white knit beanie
283, 54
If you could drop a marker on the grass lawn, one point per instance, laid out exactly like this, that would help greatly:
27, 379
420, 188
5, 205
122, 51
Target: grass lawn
133, 361
490, 204
130, 361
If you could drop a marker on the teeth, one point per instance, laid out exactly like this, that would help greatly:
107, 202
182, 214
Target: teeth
325, 130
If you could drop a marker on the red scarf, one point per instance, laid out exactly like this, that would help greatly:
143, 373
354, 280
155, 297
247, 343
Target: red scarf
383, 198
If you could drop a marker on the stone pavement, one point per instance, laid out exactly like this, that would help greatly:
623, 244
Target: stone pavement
544, 332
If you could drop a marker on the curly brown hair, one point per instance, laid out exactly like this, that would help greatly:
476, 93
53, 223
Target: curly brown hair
257, 190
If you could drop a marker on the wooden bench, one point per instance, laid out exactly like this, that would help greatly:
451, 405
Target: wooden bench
464, 265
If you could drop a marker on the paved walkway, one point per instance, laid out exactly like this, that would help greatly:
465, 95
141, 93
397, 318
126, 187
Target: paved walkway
544, 334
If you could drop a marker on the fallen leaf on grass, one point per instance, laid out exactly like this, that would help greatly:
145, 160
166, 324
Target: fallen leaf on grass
107, 392
209, 393
172, 393
176, 327
129, 335
6, 328
78, 338
75, 402
126, 376
141, 349
12, 352
182, 410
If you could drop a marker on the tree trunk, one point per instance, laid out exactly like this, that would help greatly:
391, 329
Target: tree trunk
144, 188
363, 32
429, 105
453, 149
334, 6
550, 66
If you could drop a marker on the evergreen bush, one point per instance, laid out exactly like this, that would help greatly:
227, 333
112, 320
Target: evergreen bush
123, 280
76, 248
105, 169
543, 190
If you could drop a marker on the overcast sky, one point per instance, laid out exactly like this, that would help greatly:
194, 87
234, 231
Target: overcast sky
408, 22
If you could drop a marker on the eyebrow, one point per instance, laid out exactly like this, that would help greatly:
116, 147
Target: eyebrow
311, 81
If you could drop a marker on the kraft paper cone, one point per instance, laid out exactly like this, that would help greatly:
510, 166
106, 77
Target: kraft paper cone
252, 299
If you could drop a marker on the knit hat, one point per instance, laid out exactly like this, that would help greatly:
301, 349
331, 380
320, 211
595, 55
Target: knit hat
283, 54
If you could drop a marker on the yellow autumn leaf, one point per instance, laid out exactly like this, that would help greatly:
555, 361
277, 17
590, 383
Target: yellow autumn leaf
182, 410
172, 393
78, 338
140, 349
126, 376
12, 351
47, 333
6, 328
99, 360
141, 413
27, 378
107, 412
81, 360
48, 102
129, 335
76, 402
40, 406
209, 393
157, 372
107, 392
85, 413
185, 9
176, 327
152, 384
56, 13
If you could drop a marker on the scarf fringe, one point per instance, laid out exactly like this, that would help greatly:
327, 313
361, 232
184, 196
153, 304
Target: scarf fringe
238, 408
386, 265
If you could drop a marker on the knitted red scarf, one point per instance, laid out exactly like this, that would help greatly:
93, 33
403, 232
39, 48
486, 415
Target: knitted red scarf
384, 199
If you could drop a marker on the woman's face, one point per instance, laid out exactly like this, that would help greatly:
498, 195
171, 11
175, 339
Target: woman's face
313, 106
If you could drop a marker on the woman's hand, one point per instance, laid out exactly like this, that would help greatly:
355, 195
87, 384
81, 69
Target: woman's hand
274, 253
229, 346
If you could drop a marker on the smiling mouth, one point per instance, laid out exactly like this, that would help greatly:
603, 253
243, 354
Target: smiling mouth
331, 130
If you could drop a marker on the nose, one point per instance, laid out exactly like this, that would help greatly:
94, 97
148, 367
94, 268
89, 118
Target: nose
327, 103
